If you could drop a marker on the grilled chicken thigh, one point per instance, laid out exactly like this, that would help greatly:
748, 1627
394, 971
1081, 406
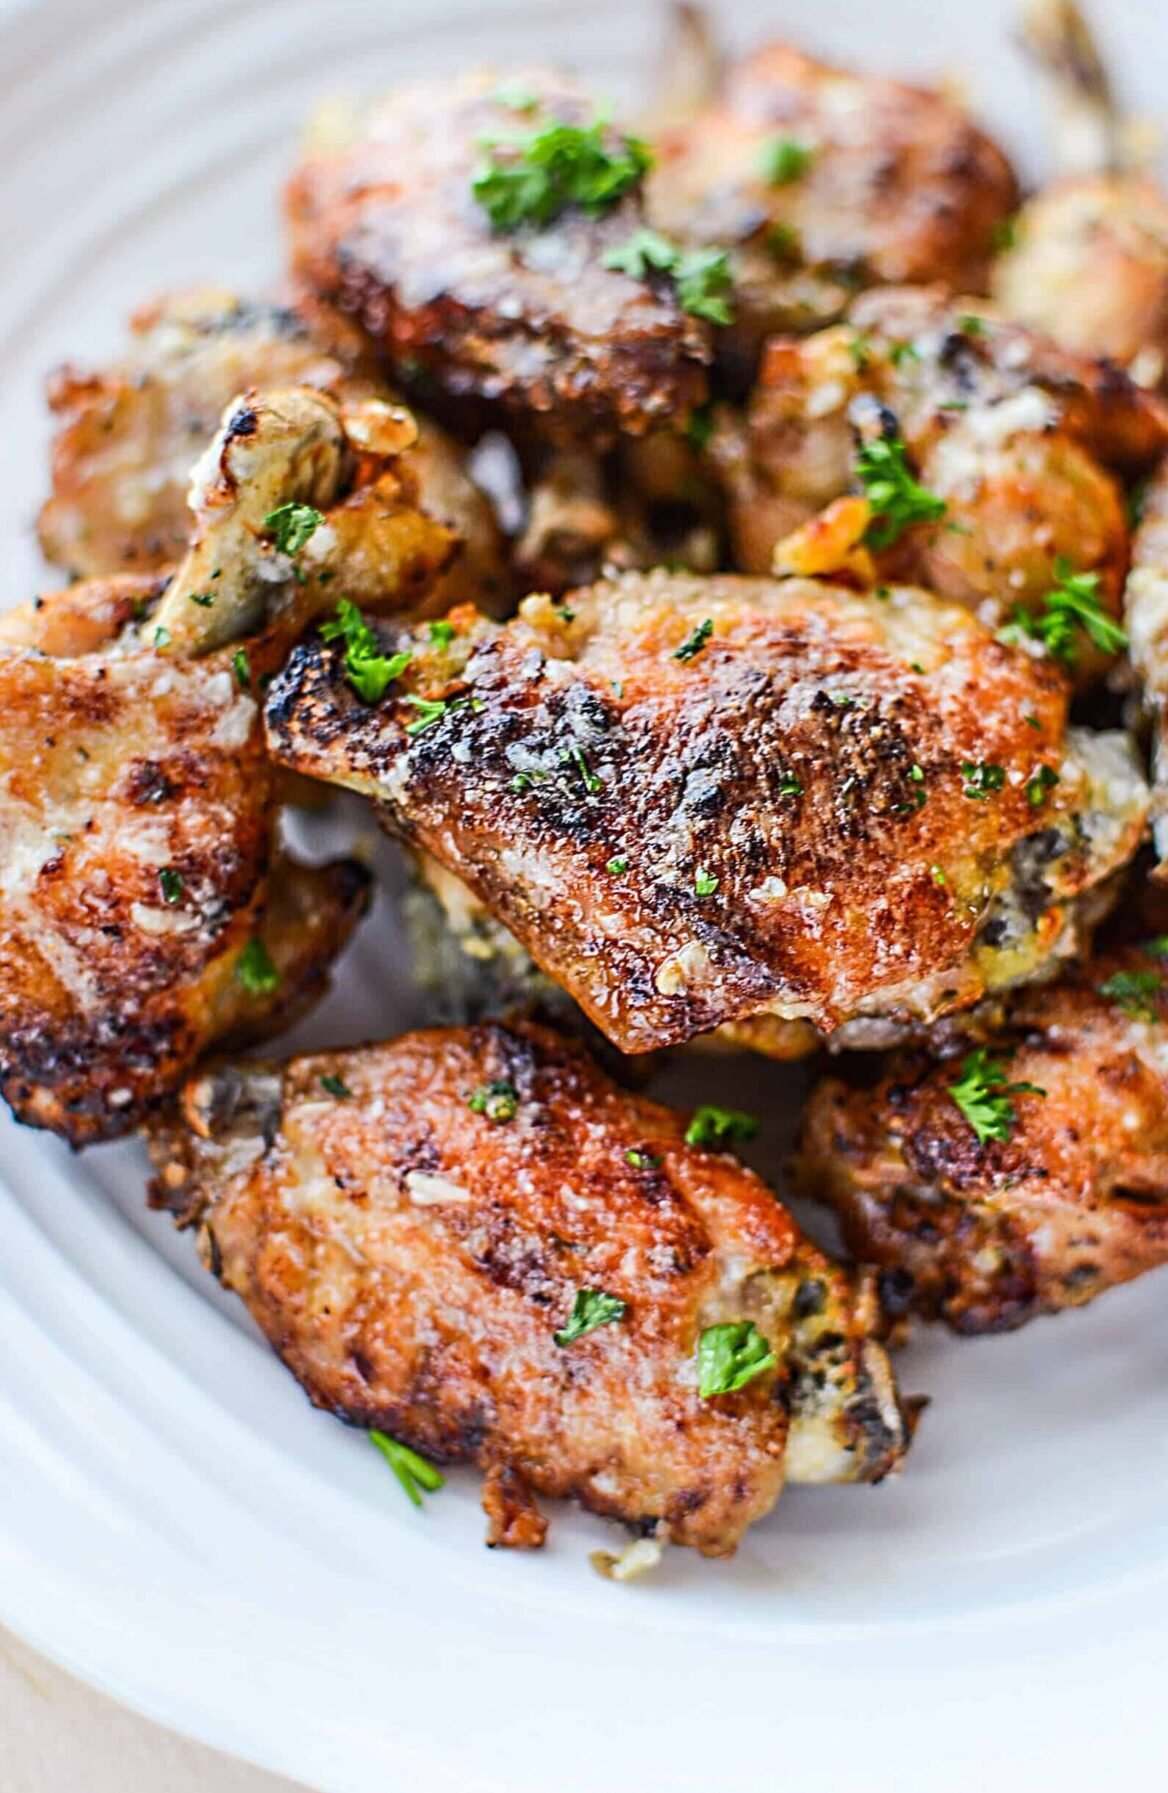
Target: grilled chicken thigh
129, 434
699, 800
1020, 443
468, 227
415, 1225
1060, 1192
1147, 625
822, 182
145, 910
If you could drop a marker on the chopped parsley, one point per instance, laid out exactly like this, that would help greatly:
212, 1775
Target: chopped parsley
982, 1093
367, 669
695, 641
705, 883
412, 1471
981, 779
441, 634
333, 1086
241, 667
898, 501
204, 599
255, 970
618, 866
292, 526
1157, 948
702, 277
1070, 607
1135, 993
1005, 233
969, 325
161, 636
592, 780
498, 1100
713, 1126
532, 178
590, 1308
938, 876
430, 710
1039, 787
730, 1355
642, 1160
699, 427
789, 786
784, 160
900, 352
171, 883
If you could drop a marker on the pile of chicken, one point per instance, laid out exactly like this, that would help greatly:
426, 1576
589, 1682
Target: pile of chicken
816, 700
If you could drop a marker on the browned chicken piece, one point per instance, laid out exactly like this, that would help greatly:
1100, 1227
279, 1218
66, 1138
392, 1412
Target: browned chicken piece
822, 182
128, 436
415, 1225
1088, 255
1062, 1189
1022, 443
1147, 624
695, 800
146, 911
410, 221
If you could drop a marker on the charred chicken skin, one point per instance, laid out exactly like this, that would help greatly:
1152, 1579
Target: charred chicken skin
1061, 1189
485, 265
699, 800
822, 182
1022, 447
129, 434
412, 1225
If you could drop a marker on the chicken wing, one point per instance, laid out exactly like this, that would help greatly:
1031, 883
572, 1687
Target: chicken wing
470, 228
1027, 1175
1021, 447
822, 182
128, 436
699, 800
414, 1227
146, 911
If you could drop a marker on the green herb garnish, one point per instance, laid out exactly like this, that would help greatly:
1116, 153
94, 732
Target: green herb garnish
590, 1308
412, 1471
441, 633
1071, 606
898, 501
642, 1160
292, 526
617, 866
713, 1126
204, 599
532, 179
171, 883
784, 160
1039, 787
730, 1355
241, 667
699, 427
702, 277
705, 883
255, 970
982, 1093
367, 669
1135, 993
695, 641
981, 779
499, 1101
333, 1086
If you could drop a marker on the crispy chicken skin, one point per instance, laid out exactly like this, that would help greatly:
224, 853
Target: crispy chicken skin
986, 1236
1023, 441
128, 436
137, 865
386, 230
695, 800
883, 183
411, 1261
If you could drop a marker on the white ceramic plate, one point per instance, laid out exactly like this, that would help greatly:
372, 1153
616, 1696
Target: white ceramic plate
176, 1524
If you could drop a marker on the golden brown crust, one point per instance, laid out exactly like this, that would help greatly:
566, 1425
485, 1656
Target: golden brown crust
411, 1260
777, 761
899, 186
988, 1235
117, 767
385, 229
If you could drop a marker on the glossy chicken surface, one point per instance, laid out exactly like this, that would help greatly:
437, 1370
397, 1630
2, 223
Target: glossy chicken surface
129, 435
387, 232
824, 181
699, 800
1026, 446
1070, 1200
146, 909
412, 1259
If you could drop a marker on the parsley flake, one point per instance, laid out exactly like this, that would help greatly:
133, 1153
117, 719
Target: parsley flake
255, 970
292, 526
695, 641
204, 599
701, 277
441, 634
498, 1100
333, 1086
590, 1308
617, 866
713, 1126
532, 179
730, 1355
785, 160
161, 636
898, 501
699, 427
412, 1471
1072, 606
171, 883
1135, 993
367, 669
1039, 787
982, 1093
241, 667
642, 1160
789, 786
705, 883
981, 779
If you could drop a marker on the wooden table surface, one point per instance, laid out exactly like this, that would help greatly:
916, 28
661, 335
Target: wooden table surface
58, 1736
